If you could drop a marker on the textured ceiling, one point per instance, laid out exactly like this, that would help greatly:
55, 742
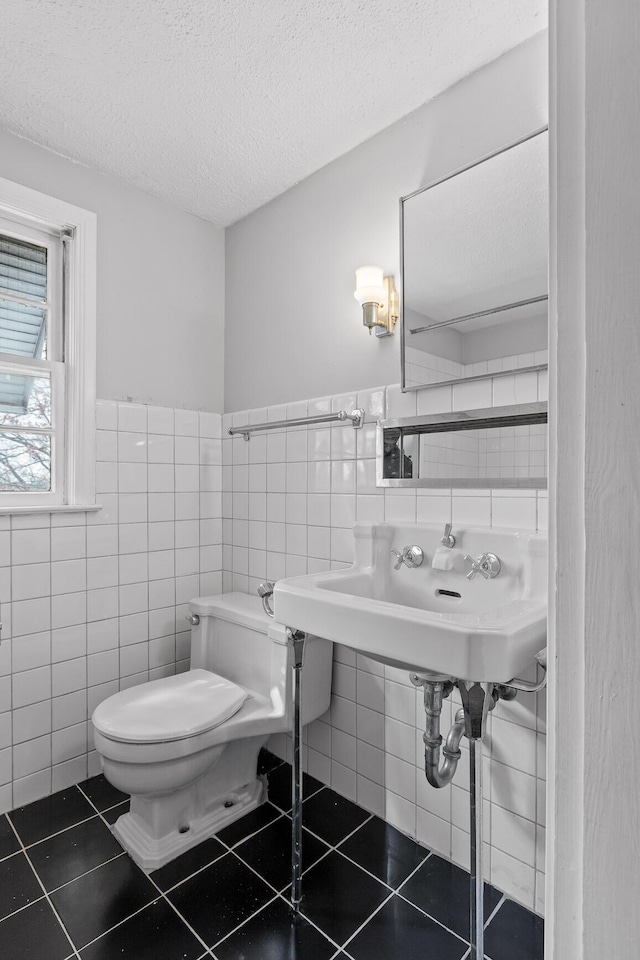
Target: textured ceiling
217, 106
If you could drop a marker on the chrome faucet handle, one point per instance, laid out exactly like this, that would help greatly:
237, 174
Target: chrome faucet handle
488, 565
411, 557
448, 540
265, 592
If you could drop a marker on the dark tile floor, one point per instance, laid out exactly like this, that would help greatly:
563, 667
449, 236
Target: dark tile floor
67, 889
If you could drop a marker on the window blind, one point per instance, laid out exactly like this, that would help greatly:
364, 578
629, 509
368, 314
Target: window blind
23, 297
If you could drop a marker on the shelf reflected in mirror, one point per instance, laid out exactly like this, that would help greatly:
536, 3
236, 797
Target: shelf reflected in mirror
493, 447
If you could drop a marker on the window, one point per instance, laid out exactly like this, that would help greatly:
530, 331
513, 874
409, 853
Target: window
31, 364
47, 352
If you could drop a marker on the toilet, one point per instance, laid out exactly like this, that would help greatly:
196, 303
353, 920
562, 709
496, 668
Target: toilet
186, 746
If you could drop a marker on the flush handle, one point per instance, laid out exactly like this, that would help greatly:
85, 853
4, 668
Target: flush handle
265, 592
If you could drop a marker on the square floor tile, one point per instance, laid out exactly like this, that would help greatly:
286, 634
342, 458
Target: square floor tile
331, 816
156, 933
443, 891
8, 841
101, 793
92, 904
50, 815
274, 934
514, 934
280, 786
220, 898
113, 813
384, 851
268, 761
18, 884
269, 852
183, 866
250, 823
34, 934
400, 932
338, 896
67, 855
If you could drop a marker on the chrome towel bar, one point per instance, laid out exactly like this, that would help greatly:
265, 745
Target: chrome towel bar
356, 418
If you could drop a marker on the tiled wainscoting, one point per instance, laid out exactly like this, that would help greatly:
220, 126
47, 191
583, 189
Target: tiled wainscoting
95, 602
289, 501
92, 603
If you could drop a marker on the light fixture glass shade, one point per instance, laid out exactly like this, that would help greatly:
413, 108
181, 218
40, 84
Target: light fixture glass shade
369, 285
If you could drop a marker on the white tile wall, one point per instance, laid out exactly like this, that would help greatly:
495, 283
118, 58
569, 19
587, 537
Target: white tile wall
288, 503
93, 603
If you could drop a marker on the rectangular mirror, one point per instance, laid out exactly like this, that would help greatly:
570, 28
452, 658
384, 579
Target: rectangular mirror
495, 447
475, 269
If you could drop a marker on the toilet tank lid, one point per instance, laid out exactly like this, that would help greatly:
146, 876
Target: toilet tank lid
243, 608
172, 708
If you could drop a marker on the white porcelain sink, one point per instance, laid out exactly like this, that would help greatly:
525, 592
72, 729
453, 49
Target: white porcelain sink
428, 619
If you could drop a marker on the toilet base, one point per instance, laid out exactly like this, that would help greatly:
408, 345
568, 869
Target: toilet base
151, 853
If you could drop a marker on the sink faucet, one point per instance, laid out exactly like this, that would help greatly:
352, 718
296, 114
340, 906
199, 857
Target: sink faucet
448, 540
488, 565
410, 557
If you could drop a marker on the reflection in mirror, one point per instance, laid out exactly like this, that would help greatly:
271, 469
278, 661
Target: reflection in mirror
475, 269
495, 447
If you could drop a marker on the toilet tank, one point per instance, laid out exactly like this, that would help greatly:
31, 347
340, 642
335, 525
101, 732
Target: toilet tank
236, 639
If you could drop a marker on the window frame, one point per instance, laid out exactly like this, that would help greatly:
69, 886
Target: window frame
76, 445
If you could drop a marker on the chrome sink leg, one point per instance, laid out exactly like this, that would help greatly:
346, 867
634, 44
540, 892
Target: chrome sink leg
296, 639
477, 879
477, 700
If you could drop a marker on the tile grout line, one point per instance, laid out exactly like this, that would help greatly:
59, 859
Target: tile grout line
58, 832
245, 921
371, 915
74, 952
491, 916
118, 856
93, 869
278, 894
190, 876
179, 915
419, 909
120, 922
161, 892
330, 849
314, 924
255, 833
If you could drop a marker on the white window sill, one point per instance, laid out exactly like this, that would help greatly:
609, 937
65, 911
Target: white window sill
53, 508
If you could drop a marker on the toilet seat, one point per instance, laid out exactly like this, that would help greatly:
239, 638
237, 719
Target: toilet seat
173, 708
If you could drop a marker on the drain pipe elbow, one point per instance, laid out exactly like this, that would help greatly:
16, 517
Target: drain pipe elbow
435, 691
441, 775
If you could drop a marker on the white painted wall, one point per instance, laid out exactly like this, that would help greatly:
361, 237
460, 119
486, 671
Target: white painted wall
160, 331
594, 816
293, 329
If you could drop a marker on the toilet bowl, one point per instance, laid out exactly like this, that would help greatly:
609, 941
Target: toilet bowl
186, 746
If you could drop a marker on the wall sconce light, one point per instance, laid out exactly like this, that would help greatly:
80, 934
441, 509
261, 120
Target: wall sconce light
379, 299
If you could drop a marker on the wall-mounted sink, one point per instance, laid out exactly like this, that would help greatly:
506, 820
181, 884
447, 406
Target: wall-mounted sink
421, 618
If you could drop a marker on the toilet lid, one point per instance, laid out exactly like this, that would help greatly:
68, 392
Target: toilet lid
169, 709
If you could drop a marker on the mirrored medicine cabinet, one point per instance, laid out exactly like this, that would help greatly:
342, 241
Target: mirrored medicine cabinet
474, 253
493, 447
